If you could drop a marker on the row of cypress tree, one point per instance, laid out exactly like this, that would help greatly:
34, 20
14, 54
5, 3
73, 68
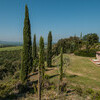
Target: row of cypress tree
29, 55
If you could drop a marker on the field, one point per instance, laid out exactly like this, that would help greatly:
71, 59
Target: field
11, 48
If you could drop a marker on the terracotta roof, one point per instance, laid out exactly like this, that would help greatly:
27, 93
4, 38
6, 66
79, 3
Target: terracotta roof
98, 52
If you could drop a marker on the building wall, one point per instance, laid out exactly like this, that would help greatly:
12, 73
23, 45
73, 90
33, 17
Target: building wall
98, 56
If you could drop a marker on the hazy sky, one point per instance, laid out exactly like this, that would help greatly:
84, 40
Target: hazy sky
63, 17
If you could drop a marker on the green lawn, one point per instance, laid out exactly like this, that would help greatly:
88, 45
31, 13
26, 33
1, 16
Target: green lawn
81, 71
11, 48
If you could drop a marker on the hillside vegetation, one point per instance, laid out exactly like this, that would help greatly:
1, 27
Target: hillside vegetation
80, 75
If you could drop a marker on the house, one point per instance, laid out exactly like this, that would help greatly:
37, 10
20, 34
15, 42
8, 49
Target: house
98, 55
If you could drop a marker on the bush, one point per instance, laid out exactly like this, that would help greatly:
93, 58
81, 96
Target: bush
10, 62
89, 91
96, 96
4, 90
85, 53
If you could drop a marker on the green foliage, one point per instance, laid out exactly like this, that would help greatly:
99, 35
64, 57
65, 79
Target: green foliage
95, 96
35, 58
69, 45
61, 65
4, 90
89, 91
91, 38
41, 68
35, 64
27, 48
9, 62
49, 50
85, 53
41, 57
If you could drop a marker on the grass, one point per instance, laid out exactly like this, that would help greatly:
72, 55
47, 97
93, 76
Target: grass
11, 48
82, 71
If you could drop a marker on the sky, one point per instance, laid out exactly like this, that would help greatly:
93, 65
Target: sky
63, 17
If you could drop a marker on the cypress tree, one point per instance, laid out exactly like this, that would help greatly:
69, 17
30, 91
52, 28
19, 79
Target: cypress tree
61, 64
81, 36
49, 50
41, 68
34, 53
26, 64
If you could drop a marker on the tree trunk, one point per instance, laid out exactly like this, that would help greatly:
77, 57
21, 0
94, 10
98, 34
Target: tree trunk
39, 86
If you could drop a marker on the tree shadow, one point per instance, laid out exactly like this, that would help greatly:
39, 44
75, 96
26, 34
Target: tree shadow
70, 91
48, 69
72, 76
53, 66
35, 73
53, 76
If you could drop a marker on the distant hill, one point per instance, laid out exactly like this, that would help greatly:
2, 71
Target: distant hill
7, 43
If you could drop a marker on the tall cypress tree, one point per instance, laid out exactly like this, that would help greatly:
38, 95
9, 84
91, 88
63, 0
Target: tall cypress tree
49, 50
41, 68
61, 64
81, 36
41, 56
27, 48
34, 53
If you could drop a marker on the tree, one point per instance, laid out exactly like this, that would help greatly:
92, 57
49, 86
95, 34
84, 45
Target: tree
49, 50
91, 38
61, 64
26, 63
81, 36
34, 54
41, 68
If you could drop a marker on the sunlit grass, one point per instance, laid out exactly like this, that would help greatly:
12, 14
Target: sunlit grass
11, 48
81, 71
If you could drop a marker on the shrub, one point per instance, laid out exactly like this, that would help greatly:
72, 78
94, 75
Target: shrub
89, 91
4, 90
85, 53
96, 96
10, 62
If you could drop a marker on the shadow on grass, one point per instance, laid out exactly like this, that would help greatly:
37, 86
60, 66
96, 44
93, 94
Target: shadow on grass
53, 66
72, 76
70, 91
35, 73
48, 69
53, 76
